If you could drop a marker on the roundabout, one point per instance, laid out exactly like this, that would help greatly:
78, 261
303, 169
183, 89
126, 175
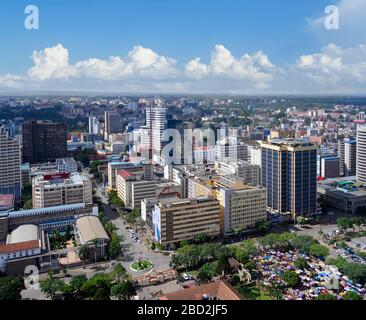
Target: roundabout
141, 265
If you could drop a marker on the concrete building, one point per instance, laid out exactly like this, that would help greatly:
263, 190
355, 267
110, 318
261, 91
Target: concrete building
175, 219
241, 205
113, 124
227, 149
343, 194
132, 188
329, 167
289, 173
250, 173
361, 155
68, 165
350, 147
43, 141
10, 164
114, 167
61, 189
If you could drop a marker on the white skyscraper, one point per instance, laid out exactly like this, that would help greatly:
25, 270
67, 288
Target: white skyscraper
156, 124
361, 154
10, 172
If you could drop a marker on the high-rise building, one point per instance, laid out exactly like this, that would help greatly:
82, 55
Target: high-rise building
10, 166
113, 123
43, 141
361, 154
347, 153
289, 172
329, 167
350, 149
94, 125
156, 123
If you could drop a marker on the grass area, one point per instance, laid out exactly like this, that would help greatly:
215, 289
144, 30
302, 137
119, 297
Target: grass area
141, 265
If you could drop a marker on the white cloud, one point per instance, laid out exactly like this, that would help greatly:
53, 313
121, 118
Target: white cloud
10, 80
333, 69
53, 63
253, 68
335, 64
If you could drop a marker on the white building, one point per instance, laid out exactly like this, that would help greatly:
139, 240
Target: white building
68, 165
156, 124
361, 154
10, 165
61, 189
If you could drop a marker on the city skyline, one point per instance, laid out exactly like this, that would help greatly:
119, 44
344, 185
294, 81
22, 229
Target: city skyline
171, 47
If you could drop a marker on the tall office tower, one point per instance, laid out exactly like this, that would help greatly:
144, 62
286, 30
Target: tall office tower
361, 154
350, 150
289, 172
43, 141
156, 123
10, 169
347, 153
91, 125
341, 156
113, 123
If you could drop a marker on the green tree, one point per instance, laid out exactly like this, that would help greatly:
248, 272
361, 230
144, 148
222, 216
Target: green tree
101, 294
207, 272
352, 296
301, 263
77, 283
291, 279
52, 288
115, 246
119, 271
262, 226
327, 296
10, 288
98, 281
123, 290
318, 251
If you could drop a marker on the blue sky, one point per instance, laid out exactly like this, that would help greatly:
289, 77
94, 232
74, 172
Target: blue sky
180, 30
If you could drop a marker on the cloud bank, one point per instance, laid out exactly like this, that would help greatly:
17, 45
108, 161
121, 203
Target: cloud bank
331, 70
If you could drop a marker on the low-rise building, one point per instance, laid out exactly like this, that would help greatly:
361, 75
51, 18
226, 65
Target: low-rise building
22, 246
68, 165
176, 220
57, 189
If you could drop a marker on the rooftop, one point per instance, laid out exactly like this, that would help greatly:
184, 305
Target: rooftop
14, 247
219, 290
6, 200
24, 233
90, 228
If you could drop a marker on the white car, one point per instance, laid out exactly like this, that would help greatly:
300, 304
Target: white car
139, 241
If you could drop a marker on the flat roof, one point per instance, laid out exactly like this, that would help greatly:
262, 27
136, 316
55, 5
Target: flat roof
6, 200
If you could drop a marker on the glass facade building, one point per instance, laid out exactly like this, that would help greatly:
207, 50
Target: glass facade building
289, 173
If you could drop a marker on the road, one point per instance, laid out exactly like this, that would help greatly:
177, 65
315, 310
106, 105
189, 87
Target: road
132, 250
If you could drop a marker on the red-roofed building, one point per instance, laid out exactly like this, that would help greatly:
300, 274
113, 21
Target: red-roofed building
10, 253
